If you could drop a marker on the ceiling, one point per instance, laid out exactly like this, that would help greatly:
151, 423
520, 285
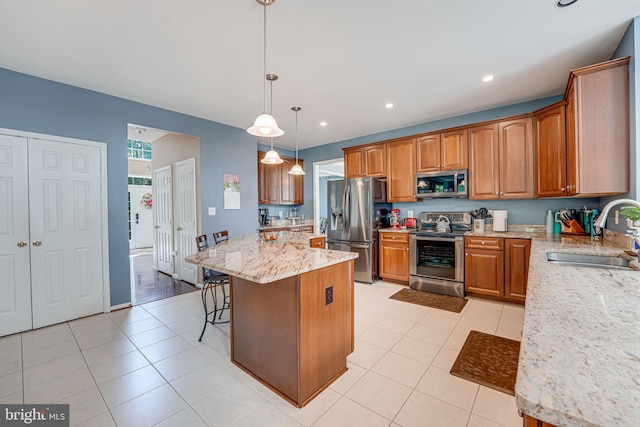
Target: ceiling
341, 61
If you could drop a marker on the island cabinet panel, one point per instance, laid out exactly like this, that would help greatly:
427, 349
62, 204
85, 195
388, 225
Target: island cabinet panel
550, 151
287, 335
401, 171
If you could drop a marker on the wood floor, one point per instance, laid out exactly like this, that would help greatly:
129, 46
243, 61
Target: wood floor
149, 285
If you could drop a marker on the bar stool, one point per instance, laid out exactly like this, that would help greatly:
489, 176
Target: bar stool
212, 281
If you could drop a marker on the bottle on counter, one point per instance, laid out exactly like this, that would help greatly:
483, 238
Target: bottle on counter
549, 222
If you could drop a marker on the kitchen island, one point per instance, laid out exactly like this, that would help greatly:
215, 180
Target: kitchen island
580, 352
292, 324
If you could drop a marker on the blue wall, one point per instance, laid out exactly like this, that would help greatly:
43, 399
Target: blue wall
36, 105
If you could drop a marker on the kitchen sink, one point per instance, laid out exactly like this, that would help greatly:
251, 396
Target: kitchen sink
583, 260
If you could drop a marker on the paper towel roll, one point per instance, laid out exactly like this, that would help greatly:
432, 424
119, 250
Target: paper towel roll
500, 220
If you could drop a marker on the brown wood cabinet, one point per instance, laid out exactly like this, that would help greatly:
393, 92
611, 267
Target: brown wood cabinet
401, 170
532, 422
501, 160
597, 125
442, 151
276, 186
497, 267
550, 151
394, 256
368, 160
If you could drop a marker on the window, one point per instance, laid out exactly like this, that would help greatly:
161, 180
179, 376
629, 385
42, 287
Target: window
138, 150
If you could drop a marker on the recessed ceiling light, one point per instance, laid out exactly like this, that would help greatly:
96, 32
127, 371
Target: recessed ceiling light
565, 3
488, 78
323, 123
388, 105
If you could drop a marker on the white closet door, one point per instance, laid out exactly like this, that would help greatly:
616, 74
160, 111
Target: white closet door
15, 280
163, 210
186, 219
65, 223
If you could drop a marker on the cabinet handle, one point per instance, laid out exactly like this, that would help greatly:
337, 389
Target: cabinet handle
466, 254
562, 189
22, 244
483, 242
36, 243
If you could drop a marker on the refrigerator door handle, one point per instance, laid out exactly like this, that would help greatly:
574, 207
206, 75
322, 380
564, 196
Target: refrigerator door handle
346, 207
359, 246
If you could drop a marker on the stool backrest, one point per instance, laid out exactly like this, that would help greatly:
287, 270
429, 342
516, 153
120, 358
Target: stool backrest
221, 236
201, 242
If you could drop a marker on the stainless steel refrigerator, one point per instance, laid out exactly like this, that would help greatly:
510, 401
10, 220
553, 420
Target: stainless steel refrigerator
357, 207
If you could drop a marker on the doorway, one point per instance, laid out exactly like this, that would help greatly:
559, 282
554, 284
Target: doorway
162, 229
324, 171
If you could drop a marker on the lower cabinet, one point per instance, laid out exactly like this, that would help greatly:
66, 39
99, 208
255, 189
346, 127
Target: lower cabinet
394, 257
532, 422
496, 267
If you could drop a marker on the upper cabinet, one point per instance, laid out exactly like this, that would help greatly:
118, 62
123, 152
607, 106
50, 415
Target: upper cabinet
597, 129
442, 151
368, 160
501, 160
582, 143
276, 186
401, 170
550, 151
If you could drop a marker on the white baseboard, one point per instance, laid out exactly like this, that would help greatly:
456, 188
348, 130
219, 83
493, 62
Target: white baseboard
121, 306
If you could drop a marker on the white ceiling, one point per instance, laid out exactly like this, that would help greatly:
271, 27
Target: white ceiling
340, 60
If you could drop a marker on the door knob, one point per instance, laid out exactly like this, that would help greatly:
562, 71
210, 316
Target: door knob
22, 244
179, 228
157, 226
36, 243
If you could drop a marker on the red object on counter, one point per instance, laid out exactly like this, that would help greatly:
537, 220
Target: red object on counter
394, 218
410, 222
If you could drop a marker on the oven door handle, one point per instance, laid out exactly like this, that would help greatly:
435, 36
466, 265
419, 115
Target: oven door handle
435, 239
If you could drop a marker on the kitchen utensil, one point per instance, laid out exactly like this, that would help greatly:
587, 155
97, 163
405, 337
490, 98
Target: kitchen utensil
478, 225
443, 224
474, 213
482, 213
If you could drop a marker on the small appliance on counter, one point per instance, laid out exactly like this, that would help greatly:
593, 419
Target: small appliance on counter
394, 218
263, 216
500, 218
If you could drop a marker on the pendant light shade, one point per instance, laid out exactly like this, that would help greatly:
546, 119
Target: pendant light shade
271, 157
296, 169
265, 124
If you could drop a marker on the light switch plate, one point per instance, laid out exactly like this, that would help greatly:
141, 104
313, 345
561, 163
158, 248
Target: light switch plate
212, 211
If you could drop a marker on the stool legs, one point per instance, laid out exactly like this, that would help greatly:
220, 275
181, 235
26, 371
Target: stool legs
209, 291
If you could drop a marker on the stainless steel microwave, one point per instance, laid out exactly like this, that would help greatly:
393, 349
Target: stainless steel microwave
450, 183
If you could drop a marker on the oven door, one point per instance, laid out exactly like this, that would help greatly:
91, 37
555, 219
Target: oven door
437, 257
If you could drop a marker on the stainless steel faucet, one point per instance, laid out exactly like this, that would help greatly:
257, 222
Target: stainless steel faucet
602, 219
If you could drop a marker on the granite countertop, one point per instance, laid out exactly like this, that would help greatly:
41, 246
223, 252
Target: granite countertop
250, 258
285, 223
580, 352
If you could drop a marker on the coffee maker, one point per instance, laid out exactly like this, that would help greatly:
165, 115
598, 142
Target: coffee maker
263, 216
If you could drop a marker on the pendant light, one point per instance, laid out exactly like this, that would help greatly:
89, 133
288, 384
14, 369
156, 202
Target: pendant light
296, 169
272, 157
265, 124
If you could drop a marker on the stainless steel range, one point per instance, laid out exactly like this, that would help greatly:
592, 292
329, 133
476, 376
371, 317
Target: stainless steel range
436, 251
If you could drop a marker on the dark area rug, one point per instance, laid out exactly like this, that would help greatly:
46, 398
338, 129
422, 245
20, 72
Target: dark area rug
488, 360
428, 299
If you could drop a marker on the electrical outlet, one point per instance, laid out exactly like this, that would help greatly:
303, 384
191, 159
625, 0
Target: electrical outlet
328, 295
410, 214
617, 217
212, 211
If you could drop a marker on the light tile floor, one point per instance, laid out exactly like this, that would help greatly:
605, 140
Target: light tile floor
144, 366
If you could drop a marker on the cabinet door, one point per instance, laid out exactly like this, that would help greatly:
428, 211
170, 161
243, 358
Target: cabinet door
550, 151
375, 160
394, 261
516, 269
515, 147
428, 153
268, 182
401, 173
353, 163
483, 162
484, 272
571, 123
298, 186
286, 182
454, 150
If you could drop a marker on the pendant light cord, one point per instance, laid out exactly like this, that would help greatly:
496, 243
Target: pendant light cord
265, 54
297, 136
